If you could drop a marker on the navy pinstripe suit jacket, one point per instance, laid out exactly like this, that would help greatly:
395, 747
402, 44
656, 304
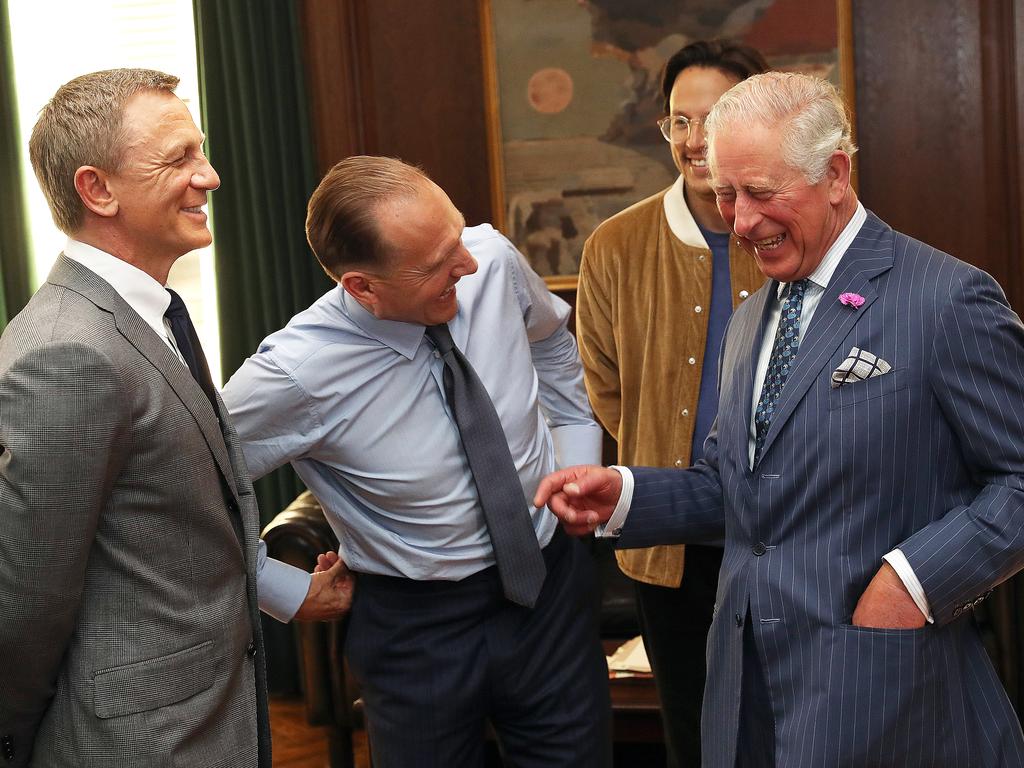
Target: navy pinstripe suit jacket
929, 458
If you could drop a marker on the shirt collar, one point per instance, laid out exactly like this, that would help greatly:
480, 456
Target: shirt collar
680, 220
139, 290
822, 275
404, 338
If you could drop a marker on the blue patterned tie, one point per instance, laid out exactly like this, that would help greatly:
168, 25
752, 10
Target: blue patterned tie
787, 343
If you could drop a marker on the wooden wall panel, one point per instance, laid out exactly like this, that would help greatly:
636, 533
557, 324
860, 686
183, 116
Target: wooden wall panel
410, 85
331, 52
937, 99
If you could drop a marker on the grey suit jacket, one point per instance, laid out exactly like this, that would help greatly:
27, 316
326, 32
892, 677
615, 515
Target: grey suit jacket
129, 628
928, 457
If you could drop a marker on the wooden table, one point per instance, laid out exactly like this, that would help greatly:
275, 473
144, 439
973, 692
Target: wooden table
636, 714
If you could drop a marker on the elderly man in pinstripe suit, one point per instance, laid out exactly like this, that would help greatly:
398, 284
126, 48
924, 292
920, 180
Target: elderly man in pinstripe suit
866, 471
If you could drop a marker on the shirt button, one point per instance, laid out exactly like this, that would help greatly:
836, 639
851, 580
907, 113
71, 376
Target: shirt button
700, 257
692, 361
678, 462
698, 310
437, 354
686, 411
744, 294
759, 549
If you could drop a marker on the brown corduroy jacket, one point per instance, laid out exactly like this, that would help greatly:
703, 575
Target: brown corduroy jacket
641, 320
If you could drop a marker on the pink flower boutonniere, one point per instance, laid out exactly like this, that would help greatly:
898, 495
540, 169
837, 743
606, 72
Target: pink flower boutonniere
854, 300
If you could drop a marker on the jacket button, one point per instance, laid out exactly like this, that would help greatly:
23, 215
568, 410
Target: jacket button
739, 620
759, 548
7, 745
251, 650
232, 505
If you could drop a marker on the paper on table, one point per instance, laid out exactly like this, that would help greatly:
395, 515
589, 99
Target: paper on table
631, 656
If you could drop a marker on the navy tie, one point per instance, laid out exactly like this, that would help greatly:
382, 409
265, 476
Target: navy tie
516, 550
189, 347
787, 344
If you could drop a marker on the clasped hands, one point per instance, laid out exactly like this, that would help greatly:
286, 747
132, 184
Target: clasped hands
584, 497
331, 588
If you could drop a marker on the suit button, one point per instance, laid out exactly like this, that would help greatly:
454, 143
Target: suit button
232, 505
251, 650
957, 611
739, 620
759, 548
7, 745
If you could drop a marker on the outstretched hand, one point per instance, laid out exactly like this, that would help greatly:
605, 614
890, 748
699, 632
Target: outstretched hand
581, 497
330, 590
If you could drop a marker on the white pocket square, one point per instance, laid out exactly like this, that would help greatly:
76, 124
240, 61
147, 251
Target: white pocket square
858, 366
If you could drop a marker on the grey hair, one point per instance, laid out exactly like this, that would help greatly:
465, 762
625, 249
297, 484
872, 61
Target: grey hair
83, 124
812, 115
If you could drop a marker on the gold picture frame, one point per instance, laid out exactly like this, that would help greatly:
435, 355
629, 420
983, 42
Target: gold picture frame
554, 267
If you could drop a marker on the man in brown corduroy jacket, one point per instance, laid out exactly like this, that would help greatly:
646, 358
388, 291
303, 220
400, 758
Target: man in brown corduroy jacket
658, 283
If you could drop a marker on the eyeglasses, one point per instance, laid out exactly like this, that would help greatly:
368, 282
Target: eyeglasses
676, 128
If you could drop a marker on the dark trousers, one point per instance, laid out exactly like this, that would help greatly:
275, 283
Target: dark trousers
437, 660
755, 743
674, 623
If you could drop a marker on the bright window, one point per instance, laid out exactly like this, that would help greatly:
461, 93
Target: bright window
54, 42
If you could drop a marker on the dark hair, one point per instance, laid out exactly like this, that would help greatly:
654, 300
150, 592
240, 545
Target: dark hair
341, 221
727, 56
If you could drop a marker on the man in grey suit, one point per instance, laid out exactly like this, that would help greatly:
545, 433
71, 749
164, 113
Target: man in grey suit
866, 471
128, 526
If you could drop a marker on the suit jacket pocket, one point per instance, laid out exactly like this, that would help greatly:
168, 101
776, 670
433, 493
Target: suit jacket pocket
888, 700
859, 391
153, 683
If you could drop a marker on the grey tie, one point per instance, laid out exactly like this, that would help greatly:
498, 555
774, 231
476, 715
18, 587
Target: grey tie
520, 563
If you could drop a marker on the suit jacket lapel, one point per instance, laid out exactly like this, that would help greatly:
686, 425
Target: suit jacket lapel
71, 274
750, 340
870, 255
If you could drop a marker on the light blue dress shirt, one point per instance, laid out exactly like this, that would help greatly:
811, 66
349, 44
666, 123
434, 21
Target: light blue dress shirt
357, 405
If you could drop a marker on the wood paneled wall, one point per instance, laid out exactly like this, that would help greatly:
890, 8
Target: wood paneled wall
406, 79
939, 122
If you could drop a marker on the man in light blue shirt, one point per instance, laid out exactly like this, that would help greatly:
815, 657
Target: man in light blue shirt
353, 393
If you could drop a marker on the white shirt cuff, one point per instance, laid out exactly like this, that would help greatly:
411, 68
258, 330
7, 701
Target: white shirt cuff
901, 565
281, 587
613, 528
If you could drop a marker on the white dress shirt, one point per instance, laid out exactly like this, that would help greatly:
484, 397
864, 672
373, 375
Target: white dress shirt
142, 293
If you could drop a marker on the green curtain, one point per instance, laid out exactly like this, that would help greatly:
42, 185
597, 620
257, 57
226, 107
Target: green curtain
14, 238
256, 119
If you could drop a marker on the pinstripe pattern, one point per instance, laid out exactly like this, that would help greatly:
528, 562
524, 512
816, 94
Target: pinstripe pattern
928, 457
128, 600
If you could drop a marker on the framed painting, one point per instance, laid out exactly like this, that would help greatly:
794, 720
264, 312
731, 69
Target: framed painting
574, 90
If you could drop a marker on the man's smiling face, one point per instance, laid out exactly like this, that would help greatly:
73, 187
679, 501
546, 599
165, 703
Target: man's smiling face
786, 223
